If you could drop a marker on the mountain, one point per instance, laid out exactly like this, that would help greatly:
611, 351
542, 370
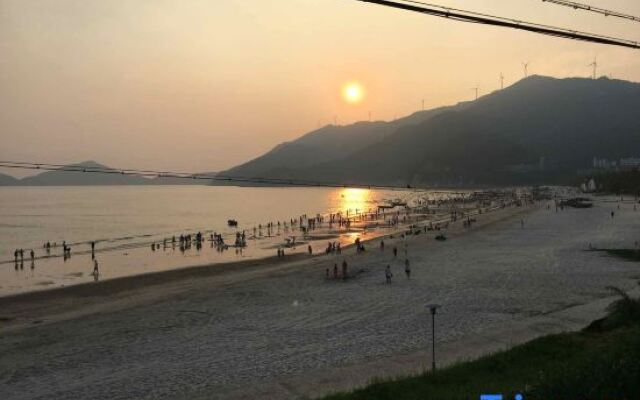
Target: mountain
79, 178
7, 180
538, 130
84, 177
327, 144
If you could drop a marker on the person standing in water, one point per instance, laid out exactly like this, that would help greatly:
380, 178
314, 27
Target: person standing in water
407, 268
388, 274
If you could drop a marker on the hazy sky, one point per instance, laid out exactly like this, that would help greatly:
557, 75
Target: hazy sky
202, 85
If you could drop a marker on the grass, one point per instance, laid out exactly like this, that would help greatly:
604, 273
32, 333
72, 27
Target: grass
600, 362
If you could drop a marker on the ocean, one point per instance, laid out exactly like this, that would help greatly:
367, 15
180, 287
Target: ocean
125, 220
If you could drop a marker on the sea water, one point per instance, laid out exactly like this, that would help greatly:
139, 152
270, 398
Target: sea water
125, 220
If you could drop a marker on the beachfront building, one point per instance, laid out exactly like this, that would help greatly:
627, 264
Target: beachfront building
588, 186
630, 164
625, 164
603, 163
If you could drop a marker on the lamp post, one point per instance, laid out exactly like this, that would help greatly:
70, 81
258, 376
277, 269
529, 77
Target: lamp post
432, 308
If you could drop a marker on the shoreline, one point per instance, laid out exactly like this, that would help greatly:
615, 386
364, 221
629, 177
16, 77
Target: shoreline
63, 296
54, 275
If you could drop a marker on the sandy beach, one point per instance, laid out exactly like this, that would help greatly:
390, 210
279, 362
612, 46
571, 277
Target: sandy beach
279, 329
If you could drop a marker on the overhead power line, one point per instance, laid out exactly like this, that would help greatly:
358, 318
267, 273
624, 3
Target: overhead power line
586, 7
486, 19
208, 177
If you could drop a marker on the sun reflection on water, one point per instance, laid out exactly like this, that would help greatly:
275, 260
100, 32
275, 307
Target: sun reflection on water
353, 199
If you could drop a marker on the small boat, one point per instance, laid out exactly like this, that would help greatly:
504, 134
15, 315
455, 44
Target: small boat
578, 202
392, 204
398, 203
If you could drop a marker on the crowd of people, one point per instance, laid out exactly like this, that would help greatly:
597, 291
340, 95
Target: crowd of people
421, 216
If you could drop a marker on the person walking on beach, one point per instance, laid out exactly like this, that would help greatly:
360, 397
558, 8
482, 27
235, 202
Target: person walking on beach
344, 269
335, 271
388, 274
310, 250
382, 245
96, 271
407, 268
395, 251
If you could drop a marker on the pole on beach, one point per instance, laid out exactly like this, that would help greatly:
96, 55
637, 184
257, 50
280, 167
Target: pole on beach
432, 308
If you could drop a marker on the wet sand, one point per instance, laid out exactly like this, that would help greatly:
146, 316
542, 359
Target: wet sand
279, 329
52, 271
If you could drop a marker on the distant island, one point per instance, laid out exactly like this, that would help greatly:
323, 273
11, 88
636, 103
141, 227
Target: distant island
84, 177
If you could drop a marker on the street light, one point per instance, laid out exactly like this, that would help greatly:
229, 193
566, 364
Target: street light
432, 308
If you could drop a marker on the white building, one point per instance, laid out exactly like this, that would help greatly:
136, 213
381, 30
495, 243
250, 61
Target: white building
630, 163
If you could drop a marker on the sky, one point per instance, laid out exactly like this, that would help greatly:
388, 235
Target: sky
202, 85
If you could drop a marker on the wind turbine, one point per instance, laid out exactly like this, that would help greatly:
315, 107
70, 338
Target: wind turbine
594, 64
501, 81
526, 68
476, 89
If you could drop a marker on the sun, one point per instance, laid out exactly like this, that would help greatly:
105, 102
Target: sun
353, 92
